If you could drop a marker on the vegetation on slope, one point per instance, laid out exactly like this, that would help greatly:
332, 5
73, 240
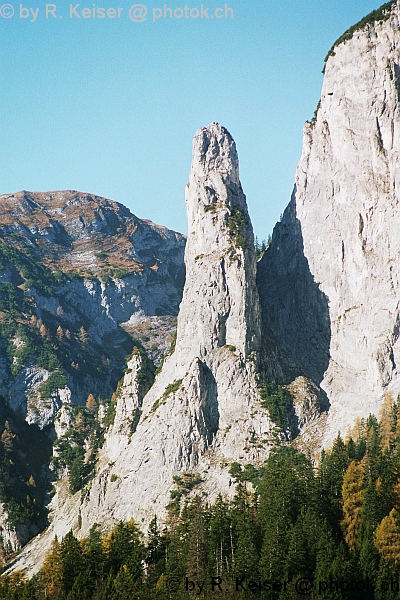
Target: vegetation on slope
336, 524
237, 228
24, 449
77, 448
380, 14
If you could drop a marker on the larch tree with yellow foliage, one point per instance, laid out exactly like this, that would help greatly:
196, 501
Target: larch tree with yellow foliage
50, 576
388, 422
387, 538
353, 489
91, 403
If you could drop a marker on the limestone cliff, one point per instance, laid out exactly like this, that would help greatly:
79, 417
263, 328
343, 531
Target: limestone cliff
330, 280
320, 313
204, 409
204, 405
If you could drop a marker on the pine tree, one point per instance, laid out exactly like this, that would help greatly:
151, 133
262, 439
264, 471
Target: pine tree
124, 585
59, 333
82, 588
374, 453
220, 538
94, 558
124, 547
302, 551
76, 474
197, 542
387, 583
287, 489
155, 552
71, 561
333, 466
246, 535
106, 592
326, 553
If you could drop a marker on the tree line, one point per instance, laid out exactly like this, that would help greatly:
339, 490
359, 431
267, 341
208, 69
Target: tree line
332, 528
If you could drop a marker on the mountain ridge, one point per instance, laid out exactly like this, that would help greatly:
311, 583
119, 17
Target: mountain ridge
286, 351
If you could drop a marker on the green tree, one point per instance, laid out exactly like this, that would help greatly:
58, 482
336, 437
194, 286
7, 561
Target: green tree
124, 585
246, 534
302, 551
71, 561
195, 516
155, 552
220, 526
124, 547
332, 468
286, 491
82, 588
76, 474
94, 558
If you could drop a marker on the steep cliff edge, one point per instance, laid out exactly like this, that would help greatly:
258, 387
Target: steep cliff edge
204, 405
81, 281
204, 409
329, 283
323, 318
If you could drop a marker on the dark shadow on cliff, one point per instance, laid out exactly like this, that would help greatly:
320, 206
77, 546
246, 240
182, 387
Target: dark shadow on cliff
209, 407
294, 311
25, 452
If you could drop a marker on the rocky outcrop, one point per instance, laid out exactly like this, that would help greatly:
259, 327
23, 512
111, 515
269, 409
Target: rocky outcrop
204, 405
204, 409
74, 261
323, 319
330, 280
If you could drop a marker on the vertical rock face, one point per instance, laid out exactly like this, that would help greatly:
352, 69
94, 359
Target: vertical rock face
203, 410
340, 321
204, 405
219, 254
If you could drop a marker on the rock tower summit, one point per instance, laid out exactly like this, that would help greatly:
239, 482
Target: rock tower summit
204, 404
220, 301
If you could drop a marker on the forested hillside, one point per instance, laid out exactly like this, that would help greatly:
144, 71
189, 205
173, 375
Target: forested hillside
331, 530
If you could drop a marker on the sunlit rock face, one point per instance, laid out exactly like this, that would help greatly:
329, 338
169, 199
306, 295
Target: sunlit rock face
204, 404
319, 312
331, 276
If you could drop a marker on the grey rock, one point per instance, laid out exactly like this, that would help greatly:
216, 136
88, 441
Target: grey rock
329, 283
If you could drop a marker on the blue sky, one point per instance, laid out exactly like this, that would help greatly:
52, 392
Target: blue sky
110, 106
